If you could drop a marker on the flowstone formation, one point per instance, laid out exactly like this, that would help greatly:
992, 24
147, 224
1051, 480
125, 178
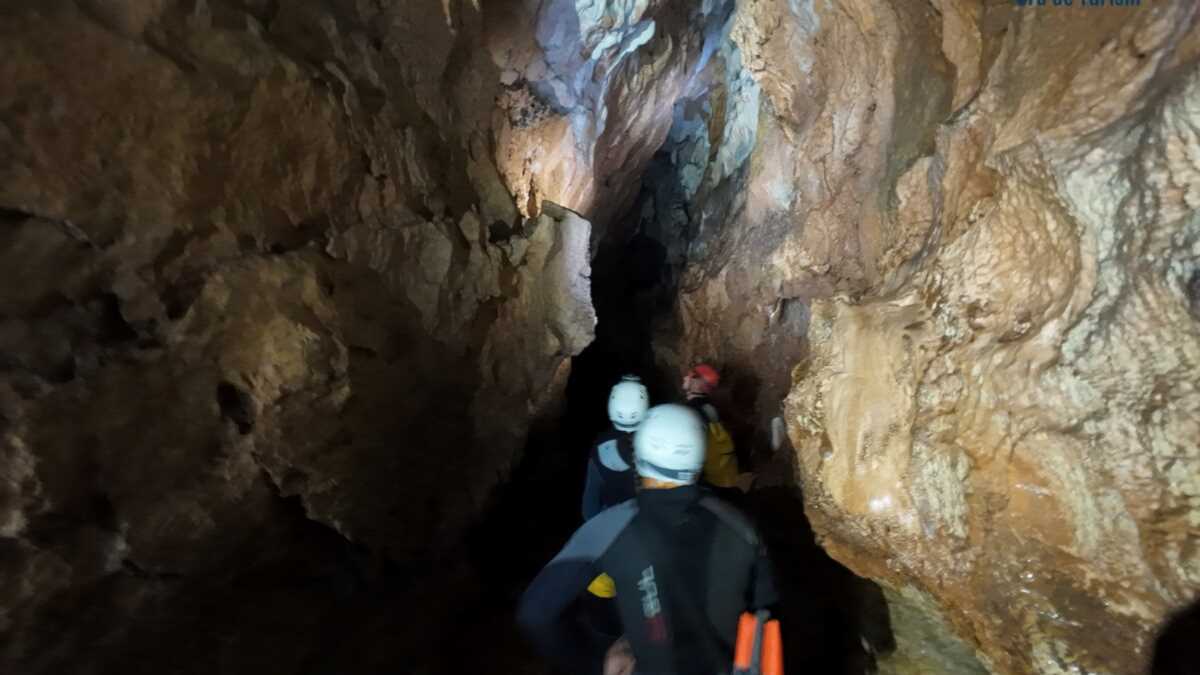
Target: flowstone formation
278, 271
983, 220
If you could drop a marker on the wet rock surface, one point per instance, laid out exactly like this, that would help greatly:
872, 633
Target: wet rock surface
986, 214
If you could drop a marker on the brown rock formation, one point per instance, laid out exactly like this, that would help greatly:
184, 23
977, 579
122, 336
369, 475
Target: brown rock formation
255, 250
267, 264
994, 209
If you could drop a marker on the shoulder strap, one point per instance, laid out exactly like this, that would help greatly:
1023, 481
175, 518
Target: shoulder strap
731, 517
612, 455
737, 521
593, 538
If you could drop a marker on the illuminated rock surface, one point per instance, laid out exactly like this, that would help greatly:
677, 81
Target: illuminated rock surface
275, 264
993, 214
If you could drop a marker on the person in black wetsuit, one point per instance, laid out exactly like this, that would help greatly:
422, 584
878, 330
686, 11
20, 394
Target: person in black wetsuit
684, 564
610, 479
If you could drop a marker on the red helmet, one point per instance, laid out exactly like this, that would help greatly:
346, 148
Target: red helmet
706, 374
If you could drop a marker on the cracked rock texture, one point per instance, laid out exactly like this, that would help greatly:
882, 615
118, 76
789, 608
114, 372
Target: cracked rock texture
976, 227
276, 260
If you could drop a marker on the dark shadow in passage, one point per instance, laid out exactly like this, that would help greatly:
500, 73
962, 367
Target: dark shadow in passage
530, 516
833, 621
1177, 649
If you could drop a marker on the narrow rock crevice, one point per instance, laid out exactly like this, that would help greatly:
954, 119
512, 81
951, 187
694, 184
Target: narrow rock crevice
237, 406
316, 306
1192, 293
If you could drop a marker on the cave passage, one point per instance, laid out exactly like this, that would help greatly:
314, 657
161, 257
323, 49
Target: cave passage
834, 621
309, 312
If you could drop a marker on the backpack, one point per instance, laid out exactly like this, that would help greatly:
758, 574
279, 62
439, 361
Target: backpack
720, 458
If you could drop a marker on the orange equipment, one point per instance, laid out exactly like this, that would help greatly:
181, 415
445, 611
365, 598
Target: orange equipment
759, 649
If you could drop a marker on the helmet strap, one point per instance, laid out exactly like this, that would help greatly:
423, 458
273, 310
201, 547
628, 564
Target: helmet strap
686, 476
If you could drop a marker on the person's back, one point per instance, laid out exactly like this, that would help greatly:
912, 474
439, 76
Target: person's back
702, 563
685, 565
610, 477
721, 469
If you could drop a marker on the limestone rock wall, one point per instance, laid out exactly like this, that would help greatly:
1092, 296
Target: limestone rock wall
304, 250
983, 218
336, 255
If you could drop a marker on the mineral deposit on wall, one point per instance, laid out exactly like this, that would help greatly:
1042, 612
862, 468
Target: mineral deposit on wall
992, 213
999, 419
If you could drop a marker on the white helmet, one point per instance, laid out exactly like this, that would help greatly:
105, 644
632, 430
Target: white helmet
627, 403
670, 443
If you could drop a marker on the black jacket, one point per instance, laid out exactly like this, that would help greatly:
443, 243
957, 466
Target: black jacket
685, 565
610, 475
